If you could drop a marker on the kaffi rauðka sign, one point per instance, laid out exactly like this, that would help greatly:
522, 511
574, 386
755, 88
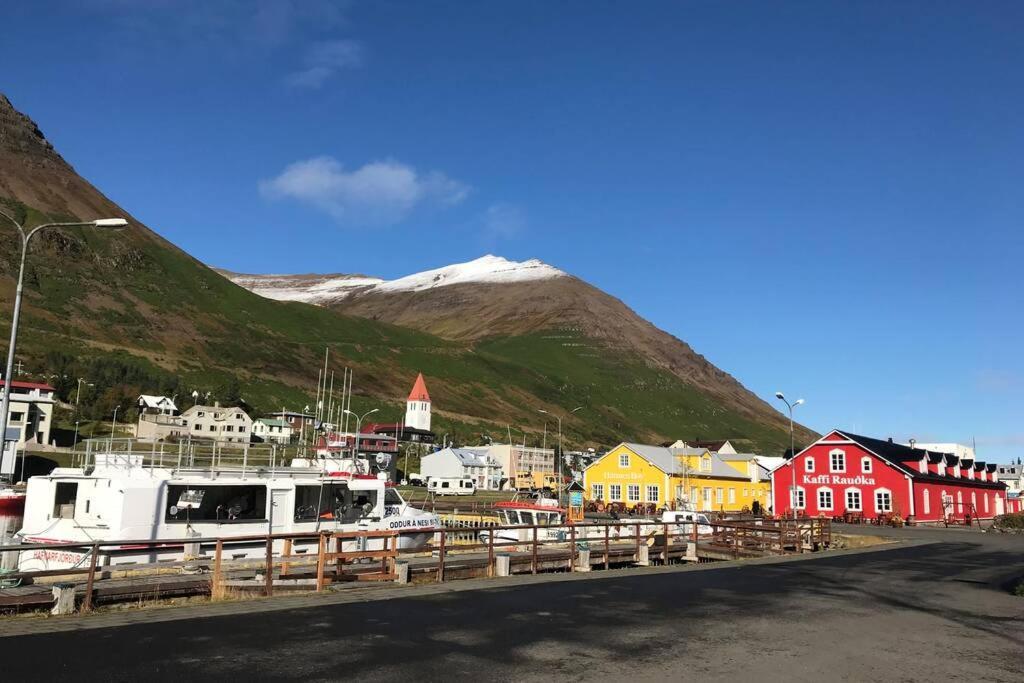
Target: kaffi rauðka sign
838, 480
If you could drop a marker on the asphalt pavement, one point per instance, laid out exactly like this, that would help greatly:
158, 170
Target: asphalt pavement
939, 608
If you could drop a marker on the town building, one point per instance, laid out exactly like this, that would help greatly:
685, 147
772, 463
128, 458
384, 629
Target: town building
957, 449
523, 467
844, 474
400, 431
718, 446
300, 423
345, 442
31, 411
1012, 475
484, 470
230, 425
417, 406
9, 455
632, 474
271, 430
158, 418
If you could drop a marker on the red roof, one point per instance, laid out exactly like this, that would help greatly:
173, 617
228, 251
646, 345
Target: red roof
419, 390
28, 385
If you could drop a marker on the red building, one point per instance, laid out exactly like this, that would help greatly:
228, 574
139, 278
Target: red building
843, 472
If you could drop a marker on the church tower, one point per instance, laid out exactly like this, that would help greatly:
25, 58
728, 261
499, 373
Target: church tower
417, 406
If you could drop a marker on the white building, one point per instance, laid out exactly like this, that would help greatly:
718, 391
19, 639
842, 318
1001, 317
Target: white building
271, 430
158, 418
959, 450
721, 446
417, 406
525, 463
232, 425
1012, 475
484, 470
31, 411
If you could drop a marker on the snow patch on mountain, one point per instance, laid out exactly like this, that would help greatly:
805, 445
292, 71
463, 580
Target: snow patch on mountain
484, 269
319, 289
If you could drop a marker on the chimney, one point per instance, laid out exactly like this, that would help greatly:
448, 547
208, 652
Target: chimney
890, 439
912, 442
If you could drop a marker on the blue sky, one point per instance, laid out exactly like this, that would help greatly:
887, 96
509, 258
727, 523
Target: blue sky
822, 198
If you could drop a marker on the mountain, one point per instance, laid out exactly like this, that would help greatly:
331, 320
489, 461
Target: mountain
497, 304
128, 312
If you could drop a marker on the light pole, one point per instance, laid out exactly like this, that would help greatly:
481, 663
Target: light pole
78, 393
359, 427
113, 425
561, 455
75, 442
792, 448
25, 238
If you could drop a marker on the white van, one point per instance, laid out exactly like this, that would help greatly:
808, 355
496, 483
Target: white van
451, 486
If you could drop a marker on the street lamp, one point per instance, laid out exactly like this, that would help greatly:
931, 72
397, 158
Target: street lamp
359, 428
561, 456
792, 448
25, 238
113, 425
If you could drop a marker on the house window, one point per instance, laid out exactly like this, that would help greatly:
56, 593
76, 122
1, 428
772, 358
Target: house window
597, 491
213, 428
693, 494
707, 495
241, 428
927, 500
809, 464
984, 497
883, 500
633, 491
865, 465
974, 502
197, 426
624, 460
960, 502
837, 461
801, 499
719, 495
615, 491
229, 428
824, 499
652, 493
200, 414
705, 464
17, 417
923, 466
853, 500
732, 495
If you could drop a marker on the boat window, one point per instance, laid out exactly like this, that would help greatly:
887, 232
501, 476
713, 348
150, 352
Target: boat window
527, 517
65, 494
511, 517
216, 503
391, 497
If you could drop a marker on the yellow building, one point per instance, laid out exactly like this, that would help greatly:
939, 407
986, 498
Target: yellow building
672, 477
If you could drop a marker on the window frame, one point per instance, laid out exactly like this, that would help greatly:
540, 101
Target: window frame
630, 488
831, 498
878, 508
624, 460
809, 464
797, 493
860, 499
867, 465
597, 491
832, 454
648, 498
615, 493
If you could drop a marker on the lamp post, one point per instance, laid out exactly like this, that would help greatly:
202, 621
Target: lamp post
25, 238
359, 427
113, 425
561, 456
792, 449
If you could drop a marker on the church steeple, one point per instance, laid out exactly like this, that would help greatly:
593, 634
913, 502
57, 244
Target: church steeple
417, 406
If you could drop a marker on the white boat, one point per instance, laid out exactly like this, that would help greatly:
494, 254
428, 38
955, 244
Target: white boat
136, 497
550, 520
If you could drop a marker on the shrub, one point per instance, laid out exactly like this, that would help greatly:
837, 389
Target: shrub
1010, 522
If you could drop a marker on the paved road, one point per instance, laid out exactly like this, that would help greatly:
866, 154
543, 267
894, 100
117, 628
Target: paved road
937, 612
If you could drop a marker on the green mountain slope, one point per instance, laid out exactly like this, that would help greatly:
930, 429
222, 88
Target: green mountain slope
129, 312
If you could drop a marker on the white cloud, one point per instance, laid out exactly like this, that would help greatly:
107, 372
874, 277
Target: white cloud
381, 192
503, 221
323, 60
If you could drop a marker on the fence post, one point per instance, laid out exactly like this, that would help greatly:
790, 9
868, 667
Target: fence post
321, 560
664, 554
607, 548
637, 541
268, 581
286, 551
87, 603
440, 559
490, 551
534, 562
217, 589
572, 548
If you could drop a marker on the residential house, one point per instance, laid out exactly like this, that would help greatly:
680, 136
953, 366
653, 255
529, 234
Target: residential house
298, 422
231, 425
484, 470
271, 430
31, 411
630, 474
722, 446
158, 418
